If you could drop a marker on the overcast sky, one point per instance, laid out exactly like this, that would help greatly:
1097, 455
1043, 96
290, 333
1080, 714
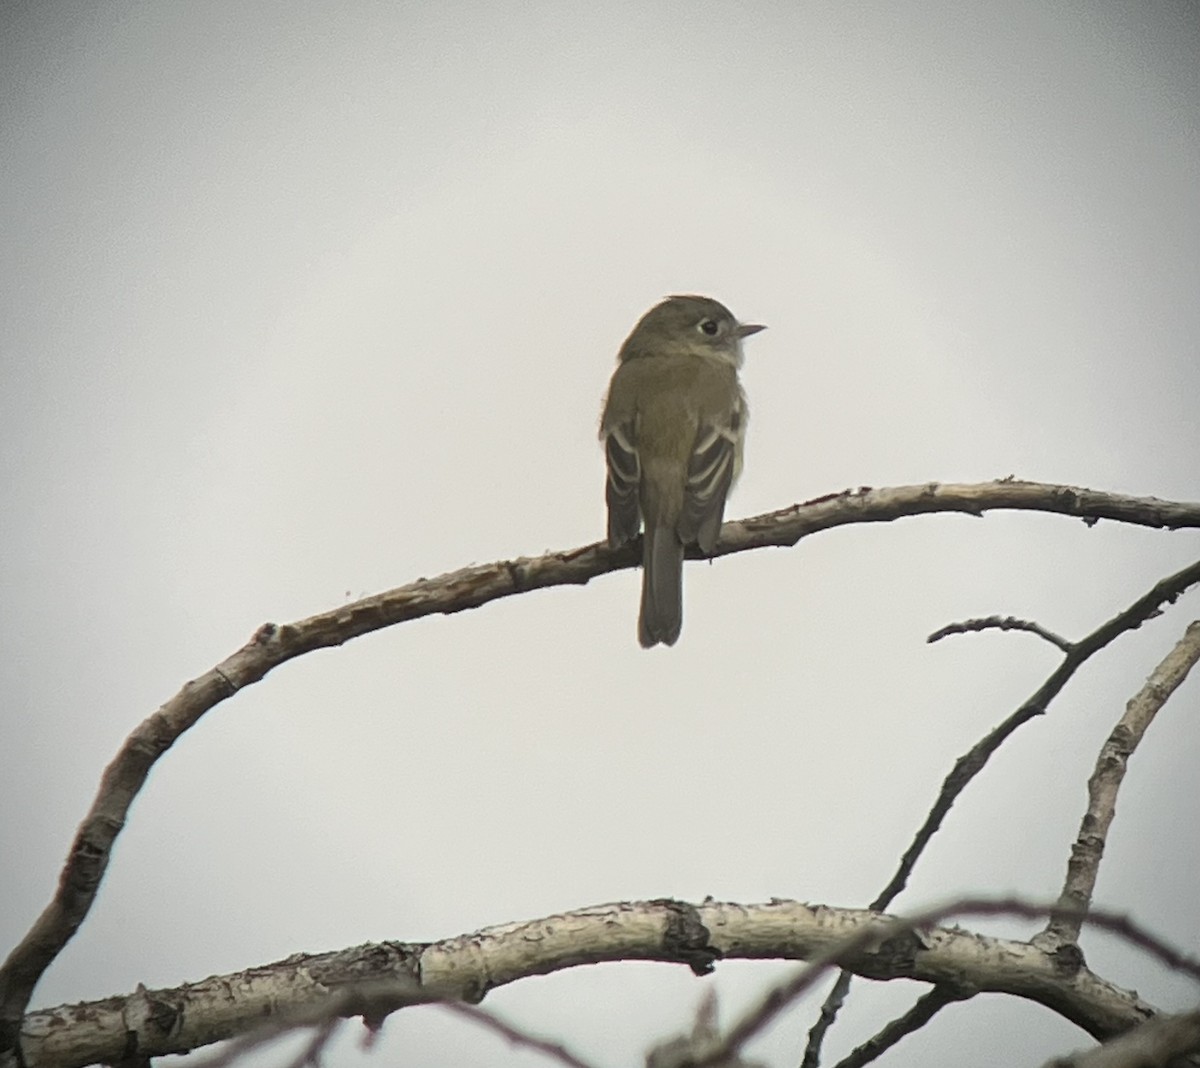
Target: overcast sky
302, 301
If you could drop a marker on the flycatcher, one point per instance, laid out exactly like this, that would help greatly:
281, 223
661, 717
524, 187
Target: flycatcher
672, 429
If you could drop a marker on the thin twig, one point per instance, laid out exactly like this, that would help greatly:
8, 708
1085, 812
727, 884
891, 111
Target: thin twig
321, 1037
1165, 591
1084, 863
826, 1018
924, 1010
1000, 623
514, 1035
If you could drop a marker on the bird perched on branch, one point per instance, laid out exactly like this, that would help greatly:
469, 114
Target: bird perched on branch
672, 429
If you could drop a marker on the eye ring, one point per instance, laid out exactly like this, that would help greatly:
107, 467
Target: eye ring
709, 326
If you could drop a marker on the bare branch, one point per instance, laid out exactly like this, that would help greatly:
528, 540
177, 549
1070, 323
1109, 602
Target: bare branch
866, 505
891, 930
323, 1011
926, 1007
1154, 1044
969, 765
1084, 864
972, 762
374, 980
515, 1035
826, 1018
374, 1000
1000, 623
457, 591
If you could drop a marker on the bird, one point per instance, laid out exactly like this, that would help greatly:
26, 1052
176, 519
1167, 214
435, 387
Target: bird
673, 425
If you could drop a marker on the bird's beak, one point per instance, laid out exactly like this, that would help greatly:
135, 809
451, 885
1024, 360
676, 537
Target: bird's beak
746, 329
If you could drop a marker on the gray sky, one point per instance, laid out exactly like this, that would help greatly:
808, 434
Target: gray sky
303, 301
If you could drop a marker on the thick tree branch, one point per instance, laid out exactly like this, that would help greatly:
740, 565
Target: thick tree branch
373, 980
471, 587
911, 934
1084, 864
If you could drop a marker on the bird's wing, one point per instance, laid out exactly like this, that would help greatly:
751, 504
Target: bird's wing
711, 470
621, 489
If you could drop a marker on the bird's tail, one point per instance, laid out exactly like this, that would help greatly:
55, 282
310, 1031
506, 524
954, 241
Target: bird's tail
661, 616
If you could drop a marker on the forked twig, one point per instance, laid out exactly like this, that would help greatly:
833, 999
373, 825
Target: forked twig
1165, 591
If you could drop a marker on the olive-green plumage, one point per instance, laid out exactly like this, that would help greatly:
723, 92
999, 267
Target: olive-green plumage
673, 427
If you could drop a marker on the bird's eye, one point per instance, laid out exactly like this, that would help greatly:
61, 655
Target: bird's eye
710, 327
